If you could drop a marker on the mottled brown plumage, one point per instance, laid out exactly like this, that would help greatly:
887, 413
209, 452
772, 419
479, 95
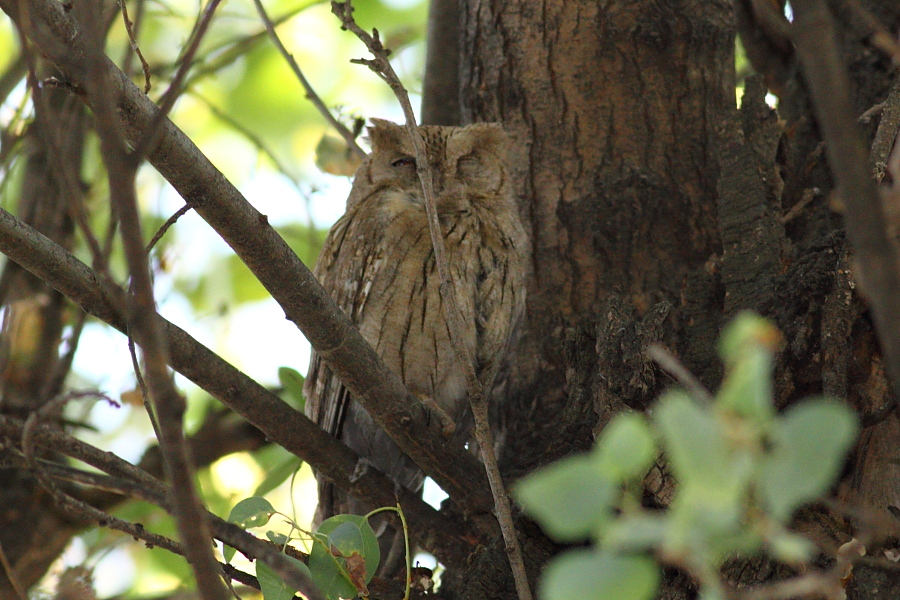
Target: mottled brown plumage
378, 265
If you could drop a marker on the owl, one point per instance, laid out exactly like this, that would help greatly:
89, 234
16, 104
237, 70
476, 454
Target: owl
379, 266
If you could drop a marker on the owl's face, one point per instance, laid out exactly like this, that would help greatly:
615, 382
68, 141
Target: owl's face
467, 162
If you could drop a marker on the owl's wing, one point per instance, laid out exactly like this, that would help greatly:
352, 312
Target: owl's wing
350, 257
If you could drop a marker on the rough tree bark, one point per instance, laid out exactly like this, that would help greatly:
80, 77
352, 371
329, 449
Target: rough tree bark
658, 210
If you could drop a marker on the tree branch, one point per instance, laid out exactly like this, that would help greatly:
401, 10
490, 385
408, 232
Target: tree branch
377, 388
281, 423
131, 481
440, 85
121, 167
311, 94
829, 85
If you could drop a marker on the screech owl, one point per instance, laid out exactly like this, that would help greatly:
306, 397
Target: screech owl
378, 265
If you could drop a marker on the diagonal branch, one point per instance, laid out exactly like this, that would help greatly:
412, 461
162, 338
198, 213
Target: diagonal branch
266, 254
275, 418
311, 94
128, 480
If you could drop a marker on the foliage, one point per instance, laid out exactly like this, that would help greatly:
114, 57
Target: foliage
342, 561
245, 110
742, 470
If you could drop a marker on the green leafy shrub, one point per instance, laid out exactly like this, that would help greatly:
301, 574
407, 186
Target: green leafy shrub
742, 471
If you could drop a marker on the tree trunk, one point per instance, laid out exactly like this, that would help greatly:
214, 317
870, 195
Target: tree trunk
617, 111
658, 210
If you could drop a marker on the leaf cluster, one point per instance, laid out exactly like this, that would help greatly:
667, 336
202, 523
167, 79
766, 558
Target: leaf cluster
342, 560
742, 470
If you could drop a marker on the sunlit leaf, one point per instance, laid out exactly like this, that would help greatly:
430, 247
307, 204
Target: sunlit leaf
292, 382
694, 441
251, 512
746, 331
791, 548
333, 156
634, 533
278, 475
747, 388
340, 539
277, 538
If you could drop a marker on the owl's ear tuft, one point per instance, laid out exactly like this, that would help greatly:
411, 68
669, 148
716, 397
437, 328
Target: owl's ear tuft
489, 137
385, 135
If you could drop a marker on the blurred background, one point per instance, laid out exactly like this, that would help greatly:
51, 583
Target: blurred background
244, 108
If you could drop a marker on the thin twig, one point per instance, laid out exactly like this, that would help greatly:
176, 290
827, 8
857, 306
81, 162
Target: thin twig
886, 135
382, 67
818, 584
142, 386
809, 194
165, 227
121, 167
669, 363
251, 137
78, 509
306, 304
131, 481
62, 367
282, 424
175, 87
131, 30
68, 180
311, 94
853, 13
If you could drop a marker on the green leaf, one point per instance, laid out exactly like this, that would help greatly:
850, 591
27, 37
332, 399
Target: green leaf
251, 512
809, 444
270, 583
593, 575
695, 442
228, 552
347, 538
292, 382
304, 241
278, 539
570, 499
747, 347
714, 478
277, 475
245, 287
337, 539
626, 448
